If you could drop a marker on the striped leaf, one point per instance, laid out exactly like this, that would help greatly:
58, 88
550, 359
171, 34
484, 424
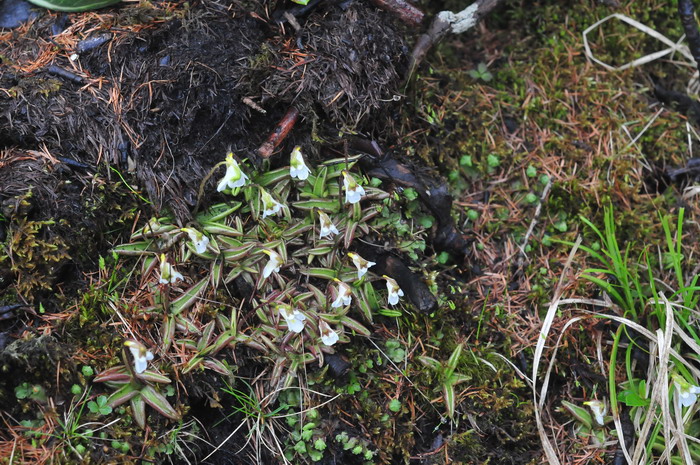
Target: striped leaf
159, 402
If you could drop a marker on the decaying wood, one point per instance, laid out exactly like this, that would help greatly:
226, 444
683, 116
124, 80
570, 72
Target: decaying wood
445, 22
281, 130
406, 12
432, 193
411, 283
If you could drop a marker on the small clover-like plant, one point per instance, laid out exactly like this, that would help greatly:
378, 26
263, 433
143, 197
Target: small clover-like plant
30, 391
481, 72
100, 406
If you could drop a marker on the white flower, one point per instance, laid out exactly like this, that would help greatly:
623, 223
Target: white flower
353, 191
598, 409
199, 240
327, 226
394, 290
293, 317
168, 274
344, 295
272, 265
297, 167
361, 264
687, 393
328, 336
270, 205
141, 355
234, 177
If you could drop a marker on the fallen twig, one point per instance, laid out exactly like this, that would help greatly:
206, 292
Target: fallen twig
447, 21
65, 74
406, 12
281, 130
692, 35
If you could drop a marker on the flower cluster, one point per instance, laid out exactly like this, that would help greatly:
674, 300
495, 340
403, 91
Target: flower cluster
277, 243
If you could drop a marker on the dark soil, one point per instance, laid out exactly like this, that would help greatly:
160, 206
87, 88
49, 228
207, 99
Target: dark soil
166, 103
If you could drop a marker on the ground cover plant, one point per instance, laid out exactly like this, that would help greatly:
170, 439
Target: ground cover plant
169, 295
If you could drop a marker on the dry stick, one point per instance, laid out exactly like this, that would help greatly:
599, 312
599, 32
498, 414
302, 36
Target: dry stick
406, 12
447, 21
692, 35
283, 127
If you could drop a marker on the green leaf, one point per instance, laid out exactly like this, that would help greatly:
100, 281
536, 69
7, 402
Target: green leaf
222, 341
328, 206
579, 413
298, 229
395, 405
168, 332
153, 377
390, 312
430, 362
324, 273
217, 366
207, 332
216, 273
218, 212
272, 177
320, 182
138, 411
354, 326
124, 394
135, 248
158, 402
448, 392
221, 229
452, 361
117, 374
187, 299
366, 310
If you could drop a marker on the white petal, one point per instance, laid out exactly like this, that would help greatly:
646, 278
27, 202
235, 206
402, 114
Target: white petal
330, 338
201, 246
270, 267
295, 326
687, 399
175, 277
352, 196
240, 182
300, 172
135, 352
393, 298
140, 365
222, 184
